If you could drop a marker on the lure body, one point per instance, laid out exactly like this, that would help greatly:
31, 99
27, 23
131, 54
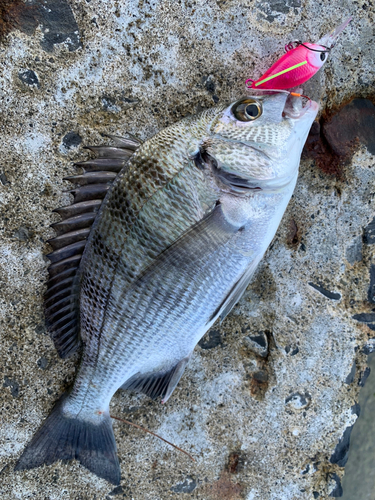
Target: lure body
294, 68
299, 64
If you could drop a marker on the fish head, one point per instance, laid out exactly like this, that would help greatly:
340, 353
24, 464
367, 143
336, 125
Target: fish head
257, 141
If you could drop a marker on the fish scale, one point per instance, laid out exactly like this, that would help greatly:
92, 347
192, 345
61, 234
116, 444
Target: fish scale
173, 246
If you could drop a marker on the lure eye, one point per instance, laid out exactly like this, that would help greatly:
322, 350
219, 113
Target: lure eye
322, 56
247, 110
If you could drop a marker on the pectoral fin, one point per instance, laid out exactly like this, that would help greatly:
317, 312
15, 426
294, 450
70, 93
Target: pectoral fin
235, 294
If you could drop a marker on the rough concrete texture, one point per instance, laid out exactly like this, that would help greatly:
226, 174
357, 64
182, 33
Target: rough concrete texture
269, 393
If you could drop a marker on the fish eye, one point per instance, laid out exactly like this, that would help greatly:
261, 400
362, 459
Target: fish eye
247, 110
322, 56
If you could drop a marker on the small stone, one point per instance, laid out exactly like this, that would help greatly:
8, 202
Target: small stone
326, 293
117, 491
4, 181
257, 343
210, 340
71, 140
14, 386
298, 401
42, 363
29, 77
369, 347
187, 486
22, 234
334, 486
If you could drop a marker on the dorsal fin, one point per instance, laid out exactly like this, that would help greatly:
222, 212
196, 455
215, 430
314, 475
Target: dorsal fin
62, 295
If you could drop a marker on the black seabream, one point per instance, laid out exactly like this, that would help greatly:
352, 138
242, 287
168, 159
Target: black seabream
161, 240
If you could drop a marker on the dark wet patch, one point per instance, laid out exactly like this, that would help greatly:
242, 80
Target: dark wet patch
55, 17
41, 328
334, 138
29, 77
187, 486
365, 317
210, 340
326, 293
369, 347
356, 409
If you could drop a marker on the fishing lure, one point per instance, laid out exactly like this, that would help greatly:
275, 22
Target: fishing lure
299, 64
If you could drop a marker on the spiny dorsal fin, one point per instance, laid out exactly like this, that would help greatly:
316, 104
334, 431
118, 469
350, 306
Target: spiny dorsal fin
62, 295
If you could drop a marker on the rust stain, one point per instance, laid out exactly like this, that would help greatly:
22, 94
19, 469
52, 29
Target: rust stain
12, 12
233, 461
259, 384
225, 489
293, 237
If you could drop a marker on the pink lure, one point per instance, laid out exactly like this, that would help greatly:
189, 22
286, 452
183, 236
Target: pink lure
299, 64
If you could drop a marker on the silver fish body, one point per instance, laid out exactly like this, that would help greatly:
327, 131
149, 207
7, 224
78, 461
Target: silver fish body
172, 249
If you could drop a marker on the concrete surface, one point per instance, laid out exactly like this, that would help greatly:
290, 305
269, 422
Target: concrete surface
264, 422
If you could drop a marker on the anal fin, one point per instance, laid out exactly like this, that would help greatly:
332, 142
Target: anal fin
157, 384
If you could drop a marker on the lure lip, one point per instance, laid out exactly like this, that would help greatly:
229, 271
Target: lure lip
330, 39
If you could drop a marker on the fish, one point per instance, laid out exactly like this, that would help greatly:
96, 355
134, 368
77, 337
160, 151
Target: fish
161, 241
299, 64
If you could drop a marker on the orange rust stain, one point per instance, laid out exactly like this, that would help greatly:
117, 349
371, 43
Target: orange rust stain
224, 488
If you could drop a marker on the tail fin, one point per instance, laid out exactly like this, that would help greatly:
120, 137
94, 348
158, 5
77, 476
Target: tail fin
62, 438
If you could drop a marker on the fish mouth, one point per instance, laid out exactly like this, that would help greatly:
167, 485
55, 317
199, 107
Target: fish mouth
298, 106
